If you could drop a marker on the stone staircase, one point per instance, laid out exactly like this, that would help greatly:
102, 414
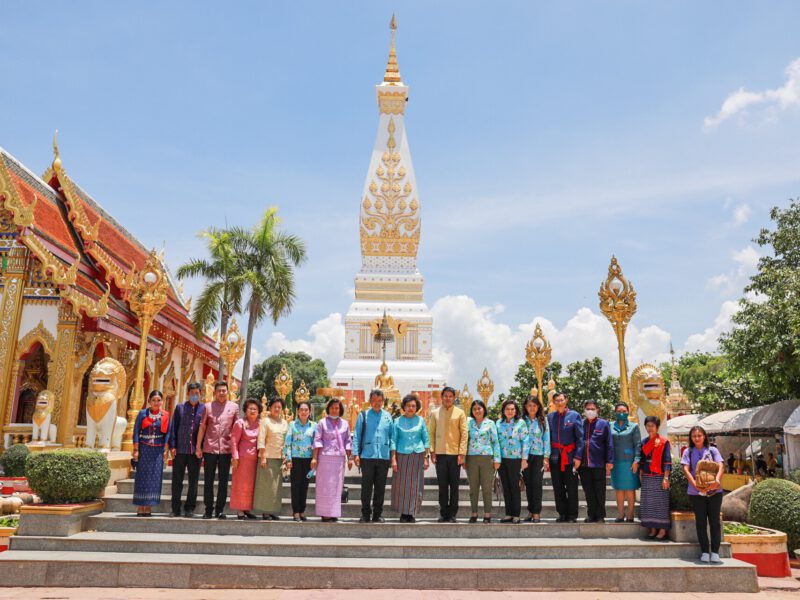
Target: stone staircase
119, 549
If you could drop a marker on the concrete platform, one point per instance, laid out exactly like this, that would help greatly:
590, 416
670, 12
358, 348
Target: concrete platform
110, 569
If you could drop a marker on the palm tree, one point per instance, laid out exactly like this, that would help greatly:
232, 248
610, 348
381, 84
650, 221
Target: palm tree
268, 257
222, 295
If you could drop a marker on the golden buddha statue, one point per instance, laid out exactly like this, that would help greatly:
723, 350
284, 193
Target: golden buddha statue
385, 383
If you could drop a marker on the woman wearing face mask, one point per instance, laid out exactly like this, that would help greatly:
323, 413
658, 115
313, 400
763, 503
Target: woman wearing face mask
655, 468
627, 454
271, 437
244, 459
297, 452
150, 450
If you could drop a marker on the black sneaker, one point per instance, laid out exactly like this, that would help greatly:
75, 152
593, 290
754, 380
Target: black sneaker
207, 515
364, 520
411, 519
378, 520
442, 520
174, 514
188, 514
452, 520
222, 516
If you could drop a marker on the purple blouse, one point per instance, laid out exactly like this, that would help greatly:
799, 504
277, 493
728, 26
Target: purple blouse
333, 437
692, 456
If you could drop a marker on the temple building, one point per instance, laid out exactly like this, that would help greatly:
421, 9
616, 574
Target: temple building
389, 282
67, 269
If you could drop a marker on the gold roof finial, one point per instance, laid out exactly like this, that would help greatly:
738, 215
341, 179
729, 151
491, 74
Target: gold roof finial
57, 159
392, 75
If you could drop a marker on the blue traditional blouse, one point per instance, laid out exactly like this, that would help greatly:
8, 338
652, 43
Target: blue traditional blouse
627, 442
538, 437
299, 440
410, 436
513, 438
483, 440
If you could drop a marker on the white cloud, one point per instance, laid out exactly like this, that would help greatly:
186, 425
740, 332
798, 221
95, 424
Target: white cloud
741, 214
327, 341
732, 282
774, 100
708, 340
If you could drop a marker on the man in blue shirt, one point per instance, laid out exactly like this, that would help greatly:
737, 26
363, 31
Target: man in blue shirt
182, 441
566, 449
596, 462
372, 454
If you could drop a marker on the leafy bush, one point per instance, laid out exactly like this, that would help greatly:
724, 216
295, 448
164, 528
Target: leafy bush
68, 476
9, 521
776, 504
13, 460
678, 486
734, 528
795, 476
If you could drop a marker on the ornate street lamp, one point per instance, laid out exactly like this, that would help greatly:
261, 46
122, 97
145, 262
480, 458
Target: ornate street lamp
485, 387
538, 353
283, 383
466, 400
618, 304
384, 335
148, 295
231, 349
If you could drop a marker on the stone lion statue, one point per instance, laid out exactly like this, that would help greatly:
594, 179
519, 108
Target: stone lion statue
106, 387
648, 394
43, 429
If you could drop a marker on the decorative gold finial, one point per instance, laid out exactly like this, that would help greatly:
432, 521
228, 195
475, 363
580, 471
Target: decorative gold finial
392, 75
57, 159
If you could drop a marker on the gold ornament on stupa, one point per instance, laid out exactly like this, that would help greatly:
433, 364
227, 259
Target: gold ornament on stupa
538, 353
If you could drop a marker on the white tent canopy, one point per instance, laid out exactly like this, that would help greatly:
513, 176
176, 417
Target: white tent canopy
791, 430
764, 419
792, 424
681, 425
719, 422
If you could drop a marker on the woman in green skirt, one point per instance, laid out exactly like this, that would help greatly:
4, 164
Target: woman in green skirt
271, 437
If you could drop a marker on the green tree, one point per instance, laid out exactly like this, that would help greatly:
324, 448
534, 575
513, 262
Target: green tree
267, 258
300, 366
526, 381
764, 344
221, 297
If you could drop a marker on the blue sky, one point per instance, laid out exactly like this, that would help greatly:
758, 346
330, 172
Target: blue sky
545, 137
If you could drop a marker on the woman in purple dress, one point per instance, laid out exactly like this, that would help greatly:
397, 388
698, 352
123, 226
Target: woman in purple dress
332, 448
149, 451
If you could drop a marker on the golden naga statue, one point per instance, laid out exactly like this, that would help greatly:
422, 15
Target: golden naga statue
385, 383
106, 387
43, 430
648, 393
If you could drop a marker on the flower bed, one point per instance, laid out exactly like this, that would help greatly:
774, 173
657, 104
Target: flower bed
759, 546
8, 527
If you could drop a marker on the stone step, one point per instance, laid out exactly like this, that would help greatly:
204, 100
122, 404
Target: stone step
126, 522
430, 508
354, 477
431, 492
349, 547
125, 569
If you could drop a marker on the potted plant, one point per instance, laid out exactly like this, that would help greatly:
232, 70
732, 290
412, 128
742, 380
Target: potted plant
8, 527
774, 508
13, 463
69, 482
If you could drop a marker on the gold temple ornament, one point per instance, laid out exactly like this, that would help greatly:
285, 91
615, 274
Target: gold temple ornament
283, 383
538, 353
147, 297
618, 304
485, 387
231, 349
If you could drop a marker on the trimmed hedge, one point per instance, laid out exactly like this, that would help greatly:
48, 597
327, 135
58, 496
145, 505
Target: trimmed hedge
776, 504
678, 486
68, 476
13, 460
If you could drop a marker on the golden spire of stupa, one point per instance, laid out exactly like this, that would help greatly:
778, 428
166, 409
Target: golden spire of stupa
392, 75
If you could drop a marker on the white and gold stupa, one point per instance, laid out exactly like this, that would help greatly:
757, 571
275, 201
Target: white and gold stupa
389, 281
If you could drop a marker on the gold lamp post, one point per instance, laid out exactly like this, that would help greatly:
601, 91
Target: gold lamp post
148, 295
231, 349
618, 304
485, 387
466, 400
538, 353
283, 383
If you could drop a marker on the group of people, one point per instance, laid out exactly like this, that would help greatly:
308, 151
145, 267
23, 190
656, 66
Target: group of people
517, 449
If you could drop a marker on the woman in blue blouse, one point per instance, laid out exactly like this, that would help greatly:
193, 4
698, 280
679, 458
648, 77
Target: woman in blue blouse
297, 451
512, 433
150, 451
539, 448
410, 448
483, 459
627, 454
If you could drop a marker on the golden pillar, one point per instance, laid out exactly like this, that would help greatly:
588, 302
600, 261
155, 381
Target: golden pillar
61, 378
231, 349
148, 296
538, 353
10, 314
618, 304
